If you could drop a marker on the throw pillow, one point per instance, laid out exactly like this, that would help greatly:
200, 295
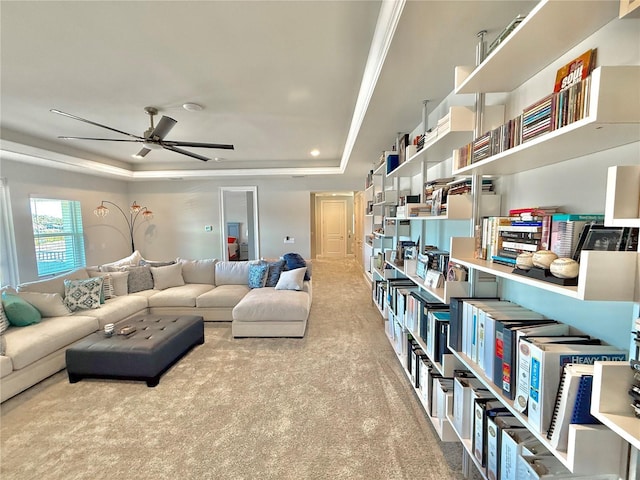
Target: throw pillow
131, 260
140, 278
199, 271
82, 294
291, 279
275, 269
4, 321
295, 260
258, 274
167, 276
157, 263
19, 312
116, 286
48, 304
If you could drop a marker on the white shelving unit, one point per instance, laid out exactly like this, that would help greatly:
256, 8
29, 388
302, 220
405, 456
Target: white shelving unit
614, 114
531, 47
613, 120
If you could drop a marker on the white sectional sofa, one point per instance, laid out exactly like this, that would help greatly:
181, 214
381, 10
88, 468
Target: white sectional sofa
34, 352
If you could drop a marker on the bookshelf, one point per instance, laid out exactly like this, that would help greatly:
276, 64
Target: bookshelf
612, 122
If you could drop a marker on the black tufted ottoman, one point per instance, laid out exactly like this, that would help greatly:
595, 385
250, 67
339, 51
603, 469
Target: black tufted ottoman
158, 342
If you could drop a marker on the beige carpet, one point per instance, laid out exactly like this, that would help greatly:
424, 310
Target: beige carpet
334, 405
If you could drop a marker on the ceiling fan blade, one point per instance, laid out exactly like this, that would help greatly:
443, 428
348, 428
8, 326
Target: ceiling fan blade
184, 152
163, 128
102, 139
199, 145
64, 114
142, 152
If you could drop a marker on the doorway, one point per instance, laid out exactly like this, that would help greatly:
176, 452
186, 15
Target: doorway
333, 232
239, 226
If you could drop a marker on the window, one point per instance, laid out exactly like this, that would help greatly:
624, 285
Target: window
8, 255
58, 235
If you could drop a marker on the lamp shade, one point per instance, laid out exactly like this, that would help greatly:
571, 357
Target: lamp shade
101, 211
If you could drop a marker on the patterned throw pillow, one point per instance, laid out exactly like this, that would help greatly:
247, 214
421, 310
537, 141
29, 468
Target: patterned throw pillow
294, 261
275, 269
4, 321
140, 278
258, 274
82, 294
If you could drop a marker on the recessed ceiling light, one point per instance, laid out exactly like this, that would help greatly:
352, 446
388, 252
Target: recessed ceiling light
135, 155
192, 107
315, 152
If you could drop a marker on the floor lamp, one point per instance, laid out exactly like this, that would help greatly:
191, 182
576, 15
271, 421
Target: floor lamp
134, 211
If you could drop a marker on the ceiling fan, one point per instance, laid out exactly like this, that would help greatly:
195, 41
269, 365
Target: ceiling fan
153, 137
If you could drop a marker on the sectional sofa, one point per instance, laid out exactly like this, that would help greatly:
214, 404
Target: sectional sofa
259, 298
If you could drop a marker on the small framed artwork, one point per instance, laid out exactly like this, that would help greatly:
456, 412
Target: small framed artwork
403, 141
599, 237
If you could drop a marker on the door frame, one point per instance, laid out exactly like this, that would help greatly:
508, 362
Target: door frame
254, 217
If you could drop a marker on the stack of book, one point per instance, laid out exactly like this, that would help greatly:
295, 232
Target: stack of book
536, 118
462, 186
462, 156
566, 229
481, 148
435, 194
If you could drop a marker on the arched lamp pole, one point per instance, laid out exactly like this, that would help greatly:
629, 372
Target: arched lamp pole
134, 211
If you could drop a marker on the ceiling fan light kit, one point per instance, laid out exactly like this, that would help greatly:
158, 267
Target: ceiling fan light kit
154, 137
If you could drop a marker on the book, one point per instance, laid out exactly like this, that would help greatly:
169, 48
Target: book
566, 229
566, 400
575, 71
582, 407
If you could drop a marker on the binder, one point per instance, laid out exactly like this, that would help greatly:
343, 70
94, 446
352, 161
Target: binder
524, 362
455, 323
484, 409
566, 400
495, 426
546, 364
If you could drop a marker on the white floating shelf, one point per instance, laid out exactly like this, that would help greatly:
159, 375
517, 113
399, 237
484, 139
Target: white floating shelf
622, 204
613, 120
605, 276
530, 47
610, 402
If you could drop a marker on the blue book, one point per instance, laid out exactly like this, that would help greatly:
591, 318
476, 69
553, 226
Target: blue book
582, 407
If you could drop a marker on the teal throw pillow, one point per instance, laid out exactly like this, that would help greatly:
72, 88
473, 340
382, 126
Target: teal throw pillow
258, 274
19, 312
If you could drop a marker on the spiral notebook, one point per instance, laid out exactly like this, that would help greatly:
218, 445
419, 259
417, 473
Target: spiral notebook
572, 405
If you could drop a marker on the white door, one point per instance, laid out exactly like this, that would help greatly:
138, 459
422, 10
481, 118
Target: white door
334, 226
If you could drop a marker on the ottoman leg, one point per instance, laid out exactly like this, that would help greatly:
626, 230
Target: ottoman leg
74, 378
153, 381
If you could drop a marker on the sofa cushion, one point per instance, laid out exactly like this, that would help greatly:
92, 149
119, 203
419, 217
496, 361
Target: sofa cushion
258, 274
199, 271
6, 366
223, 296
232, 273
291, 279
116, 309
167, 276
183, 296
48, 304
54, 284
264, 304
19, 312
119, 281
28, 344
83, 294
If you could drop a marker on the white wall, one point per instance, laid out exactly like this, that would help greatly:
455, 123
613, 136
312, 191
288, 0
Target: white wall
181, 211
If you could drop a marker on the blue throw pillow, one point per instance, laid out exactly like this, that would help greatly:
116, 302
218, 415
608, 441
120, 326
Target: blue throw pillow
275, 269
258, 274
295, 260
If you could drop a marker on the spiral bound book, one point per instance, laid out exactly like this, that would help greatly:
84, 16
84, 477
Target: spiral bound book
571, 397
582, 406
